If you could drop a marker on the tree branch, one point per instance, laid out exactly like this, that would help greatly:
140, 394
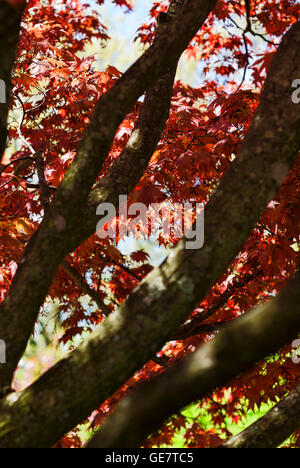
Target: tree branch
274, 428
82, 284
57, 235
68, 392
65, 265
194, 326
44, 189
240, 345
127, 170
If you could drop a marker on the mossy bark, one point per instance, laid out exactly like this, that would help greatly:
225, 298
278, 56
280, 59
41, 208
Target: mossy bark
68, 392
77, 384
58, 233
241, 344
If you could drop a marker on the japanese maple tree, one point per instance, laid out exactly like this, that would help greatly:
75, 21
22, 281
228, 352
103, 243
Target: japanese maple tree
213, 327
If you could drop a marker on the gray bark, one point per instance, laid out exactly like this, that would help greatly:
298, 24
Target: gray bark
241, 344
128, 338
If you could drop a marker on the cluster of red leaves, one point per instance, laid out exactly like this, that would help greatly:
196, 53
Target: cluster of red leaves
220, 42
58, 90
71, 440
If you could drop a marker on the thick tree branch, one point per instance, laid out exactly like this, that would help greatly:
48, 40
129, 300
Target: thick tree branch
131, 164
65, 265
58, 235
10, 18
128, 338
128, 169
241, 344
274, 428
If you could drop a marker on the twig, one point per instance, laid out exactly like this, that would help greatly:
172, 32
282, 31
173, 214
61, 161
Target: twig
45, 191
6, 183
248, 29
126, 270
82, 284
37, 186
195, 325
13, 162
247, 60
